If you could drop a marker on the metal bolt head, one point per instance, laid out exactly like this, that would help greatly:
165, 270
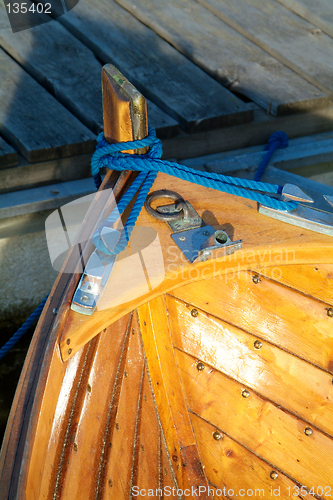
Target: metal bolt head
205, 255
217, 435
274, 474
257, 344
194, 313
182, 238
55, 311
200, 367
84, 298
256, 278
75, 446
330, 312
69, 351
308, 431
68, 341
245, 393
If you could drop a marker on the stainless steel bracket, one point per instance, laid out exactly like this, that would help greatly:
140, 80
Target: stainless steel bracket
303, 216
191, 235
93, 281
96, 273
200, 242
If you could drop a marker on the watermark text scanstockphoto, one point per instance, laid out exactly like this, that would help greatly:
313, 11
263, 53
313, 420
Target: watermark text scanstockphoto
289, 491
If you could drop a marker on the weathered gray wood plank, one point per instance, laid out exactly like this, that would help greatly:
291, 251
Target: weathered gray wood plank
227, 55
61, 63
33, 121
44, 198
318, 12
292, 40
159, 71
68, 69
8, 155
164, 124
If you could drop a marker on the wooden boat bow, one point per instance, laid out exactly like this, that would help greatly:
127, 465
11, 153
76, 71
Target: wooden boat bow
213, 379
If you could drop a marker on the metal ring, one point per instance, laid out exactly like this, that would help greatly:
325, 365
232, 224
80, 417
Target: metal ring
164, 193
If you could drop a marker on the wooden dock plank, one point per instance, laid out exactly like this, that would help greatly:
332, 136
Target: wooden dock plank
62, 53
319, 13
35, 122
61, 64
229, 57
159, 71
292, 40
8, 155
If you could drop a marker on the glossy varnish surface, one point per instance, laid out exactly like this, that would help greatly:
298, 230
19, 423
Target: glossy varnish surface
218, 378
188, 392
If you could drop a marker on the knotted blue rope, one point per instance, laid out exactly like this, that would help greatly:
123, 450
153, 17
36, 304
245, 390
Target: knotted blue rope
23, 329
111, 156
276, 140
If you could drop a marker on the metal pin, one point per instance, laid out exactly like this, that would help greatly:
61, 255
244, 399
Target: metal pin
257, 344
256, 278
200, 367
55, 311
68, 341
245, 393
308, 431
69, 351
217, 435
274, 474
194, 313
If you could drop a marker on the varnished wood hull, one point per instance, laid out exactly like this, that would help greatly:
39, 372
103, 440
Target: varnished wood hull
214, 383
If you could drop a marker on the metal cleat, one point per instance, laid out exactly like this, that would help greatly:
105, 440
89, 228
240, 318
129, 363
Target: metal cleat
308, 217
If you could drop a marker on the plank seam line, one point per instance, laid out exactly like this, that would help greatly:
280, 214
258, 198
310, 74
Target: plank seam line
116, 388
245, 447
249, 333
69, 424
263, 398
181, 383
135, 459
268, 278
156, 409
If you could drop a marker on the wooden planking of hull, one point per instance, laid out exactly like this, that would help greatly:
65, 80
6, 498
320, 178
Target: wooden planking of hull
160, 400
210, 379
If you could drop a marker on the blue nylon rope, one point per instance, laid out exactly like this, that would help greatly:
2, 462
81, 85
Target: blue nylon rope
23, 329
276, 140
110, 156
149, 164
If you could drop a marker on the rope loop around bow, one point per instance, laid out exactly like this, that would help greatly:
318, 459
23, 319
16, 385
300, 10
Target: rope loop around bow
112, 156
